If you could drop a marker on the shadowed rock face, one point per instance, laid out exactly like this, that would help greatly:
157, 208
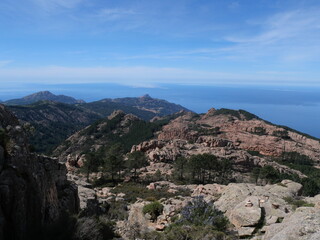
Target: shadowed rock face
34, 190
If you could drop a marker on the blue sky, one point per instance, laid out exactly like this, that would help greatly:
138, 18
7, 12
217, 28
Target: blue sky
148, 43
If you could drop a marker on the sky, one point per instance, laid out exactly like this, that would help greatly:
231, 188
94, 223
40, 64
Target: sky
146, 43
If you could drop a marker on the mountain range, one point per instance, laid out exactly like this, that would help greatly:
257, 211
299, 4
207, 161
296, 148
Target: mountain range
55, 117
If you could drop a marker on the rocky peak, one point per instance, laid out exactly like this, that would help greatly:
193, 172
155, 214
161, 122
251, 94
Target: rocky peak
43, 95
146, 97
211, 111
116, 113
40, 94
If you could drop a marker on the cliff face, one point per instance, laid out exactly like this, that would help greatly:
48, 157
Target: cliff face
34, 190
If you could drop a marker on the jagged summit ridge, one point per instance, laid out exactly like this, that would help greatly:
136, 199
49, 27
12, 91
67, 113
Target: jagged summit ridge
146, 96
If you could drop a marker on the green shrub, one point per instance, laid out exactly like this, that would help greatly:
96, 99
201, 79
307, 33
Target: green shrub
281, 134
200, 213
310, 187
194, 233
296, 203
270, 174
225, 111
150, 199
154, 209
248, 116
296, 158
187, 233
137, 190
116, 210
302, 163
259, 131
254, 153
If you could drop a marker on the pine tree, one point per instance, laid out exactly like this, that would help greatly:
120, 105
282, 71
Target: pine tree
135, 161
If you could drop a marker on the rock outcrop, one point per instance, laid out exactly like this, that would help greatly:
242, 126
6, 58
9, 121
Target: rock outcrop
34, 190
249, 206
237, 130
303, 224
255, 212
167, 151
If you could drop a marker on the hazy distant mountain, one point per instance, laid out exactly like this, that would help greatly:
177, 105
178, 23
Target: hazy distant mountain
144, 107
158, 106
40, 96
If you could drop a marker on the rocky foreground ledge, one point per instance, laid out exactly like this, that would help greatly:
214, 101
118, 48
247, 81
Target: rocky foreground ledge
270, 212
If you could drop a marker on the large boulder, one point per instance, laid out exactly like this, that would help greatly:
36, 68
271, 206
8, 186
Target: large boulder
303, 224
247, 206
246, 213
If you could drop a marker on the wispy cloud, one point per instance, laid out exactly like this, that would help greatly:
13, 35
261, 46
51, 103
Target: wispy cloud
135, 76
56, 6
292, 36
5, 62
286, 37
114, 13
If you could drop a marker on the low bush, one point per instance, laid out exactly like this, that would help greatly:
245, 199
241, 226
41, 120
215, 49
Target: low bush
198, 220
259, 131
284, 134
154, 209
187, 233
117, 210
200, 213
137, 190
296, 203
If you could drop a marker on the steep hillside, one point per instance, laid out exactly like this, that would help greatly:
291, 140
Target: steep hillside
42, 96
154, 105
242, 138
247, 141
53, 122
34, 191
144, 107
121, 128
105, 107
